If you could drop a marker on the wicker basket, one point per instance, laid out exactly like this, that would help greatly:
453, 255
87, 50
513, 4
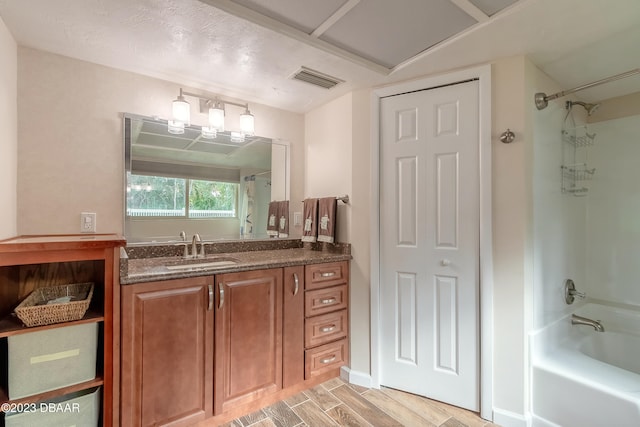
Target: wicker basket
36, 310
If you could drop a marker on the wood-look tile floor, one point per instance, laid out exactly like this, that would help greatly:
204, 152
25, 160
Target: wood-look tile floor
337, 403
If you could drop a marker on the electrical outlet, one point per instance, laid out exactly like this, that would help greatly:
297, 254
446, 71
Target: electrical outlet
87, 222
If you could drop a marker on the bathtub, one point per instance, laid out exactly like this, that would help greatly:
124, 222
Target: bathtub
584, 378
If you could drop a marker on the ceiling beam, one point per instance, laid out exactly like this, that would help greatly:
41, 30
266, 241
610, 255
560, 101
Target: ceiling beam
287, 30
471, 10
337, 15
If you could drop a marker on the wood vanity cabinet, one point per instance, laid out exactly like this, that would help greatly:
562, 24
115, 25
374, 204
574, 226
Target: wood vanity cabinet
167, 352
248, 335
31, 262
221, 346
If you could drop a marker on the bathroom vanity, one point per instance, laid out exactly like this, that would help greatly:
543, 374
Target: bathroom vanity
217, 337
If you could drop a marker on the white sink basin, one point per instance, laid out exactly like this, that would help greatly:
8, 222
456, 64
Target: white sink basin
202, 264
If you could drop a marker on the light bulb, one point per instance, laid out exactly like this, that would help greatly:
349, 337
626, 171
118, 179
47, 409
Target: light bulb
216, 117
209, 132
181, 110
176, 128
247, 123
237, 137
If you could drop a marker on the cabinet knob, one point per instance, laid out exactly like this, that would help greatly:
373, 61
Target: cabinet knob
445, 262
327, 301
297, 283
327, 328
328, 274
210, 298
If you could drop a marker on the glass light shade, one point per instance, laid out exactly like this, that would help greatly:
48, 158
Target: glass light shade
247, 123
181, 111
237, 137
216, 118
209, 132
176, 128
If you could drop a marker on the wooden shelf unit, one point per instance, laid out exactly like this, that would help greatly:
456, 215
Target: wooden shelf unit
31, 262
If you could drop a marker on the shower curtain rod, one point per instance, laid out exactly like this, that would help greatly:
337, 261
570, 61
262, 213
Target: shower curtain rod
542, 100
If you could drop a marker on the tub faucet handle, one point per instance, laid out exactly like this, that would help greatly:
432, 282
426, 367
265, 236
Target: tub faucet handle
575, 293
570, 292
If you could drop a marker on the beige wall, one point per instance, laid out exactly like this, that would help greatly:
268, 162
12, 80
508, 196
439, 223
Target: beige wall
337, 141
512, 192
70, 155
8, 133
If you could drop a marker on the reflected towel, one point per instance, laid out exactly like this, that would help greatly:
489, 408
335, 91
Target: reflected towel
327, 219
310, 228
283, 219
272, 219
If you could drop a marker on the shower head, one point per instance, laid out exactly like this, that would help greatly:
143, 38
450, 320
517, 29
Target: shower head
591, 108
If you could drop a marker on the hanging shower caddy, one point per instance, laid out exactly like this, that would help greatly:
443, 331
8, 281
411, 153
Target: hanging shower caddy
576, 141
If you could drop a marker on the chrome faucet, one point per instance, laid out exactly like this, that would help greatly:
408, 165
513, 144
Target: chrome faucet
579, 320
194, 245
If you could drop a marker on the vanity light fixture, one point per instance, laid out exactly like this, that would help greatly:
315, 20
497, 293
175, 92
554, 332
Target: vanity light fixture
181, 117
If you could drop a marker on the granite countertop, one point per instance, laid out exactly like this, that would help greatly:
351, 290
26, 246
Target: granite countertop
142, 268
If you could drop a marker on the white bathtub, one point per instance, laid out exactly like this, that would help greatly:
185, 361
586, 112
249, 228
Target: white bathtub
584, 378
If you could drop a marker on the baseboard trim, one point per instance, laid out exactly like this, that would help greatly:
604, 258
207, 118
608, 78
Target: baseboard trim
355, 377
510, 419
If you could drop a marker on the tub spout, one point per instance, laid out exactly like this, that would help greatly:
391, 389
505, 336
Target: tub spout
579, 320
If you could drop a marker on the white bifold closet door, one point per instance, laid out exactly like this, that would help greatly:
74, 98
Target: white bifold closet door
429, 243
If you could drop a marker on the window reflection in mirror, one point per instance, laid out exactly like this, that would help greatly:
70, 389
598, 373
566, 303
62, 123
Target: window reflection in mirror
215, 187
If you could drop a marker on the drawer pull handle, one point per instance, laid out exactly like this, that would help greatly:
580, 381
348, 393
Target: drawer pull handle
329, 274
328, 360
327, 301
210, 298
328, 328
295, 280
221, 290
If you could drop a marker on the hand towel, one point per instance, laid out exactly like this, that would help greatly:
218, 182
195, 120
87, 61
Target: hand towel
283, 221
327, 219
310, 215
272, 220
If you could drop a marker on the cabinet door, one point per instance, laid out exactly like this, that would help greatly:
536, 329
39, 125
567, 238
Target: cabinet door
248, 359
293, 327
167, 352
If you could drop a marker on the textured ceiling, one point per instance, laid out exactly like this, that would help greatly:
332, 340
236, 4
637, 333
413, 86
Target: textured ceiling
251, 56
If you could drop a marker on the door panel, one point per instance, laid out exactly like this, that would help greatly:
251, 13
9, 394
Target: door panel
429, 247
248, 351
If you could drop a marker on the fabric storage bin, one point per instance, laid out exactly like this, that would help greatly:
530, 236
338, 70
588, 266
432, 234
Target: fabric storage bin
50, 359
81, 409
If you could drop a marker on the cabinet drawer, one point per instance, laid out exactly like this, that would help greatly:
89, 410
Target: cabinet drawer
326, 328
326, 357
328, 274
323, 301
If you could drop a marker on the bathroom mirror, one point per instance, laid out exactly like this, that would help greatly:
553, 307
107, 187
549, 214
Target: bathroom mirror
219, 188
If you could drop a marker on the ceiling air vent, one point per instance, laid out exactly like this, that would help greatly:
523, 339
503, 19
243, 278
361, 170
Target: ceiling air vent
316, 78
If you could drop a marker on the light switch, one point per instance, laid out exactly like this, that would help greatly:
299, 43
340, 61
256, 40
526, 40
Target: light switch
297, 219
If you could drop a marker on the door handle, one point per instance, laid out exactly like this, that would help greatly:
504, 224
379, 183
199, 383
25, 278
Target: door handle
221, 292
297, 283
210, 298
445, 262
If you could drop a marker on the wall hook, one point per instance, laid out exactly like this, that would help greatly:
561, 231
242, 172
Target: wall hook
507, 137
